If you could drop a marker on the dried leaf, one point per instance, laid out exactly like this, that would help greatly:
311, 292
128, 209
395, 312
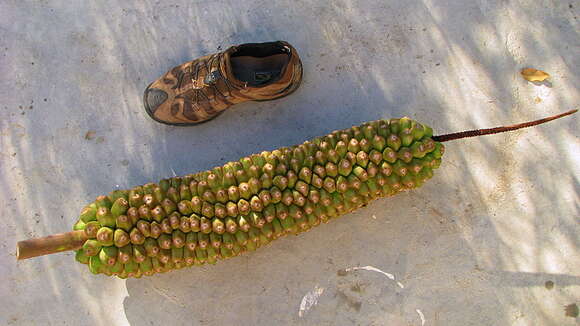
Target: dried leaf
534, 75
90, 135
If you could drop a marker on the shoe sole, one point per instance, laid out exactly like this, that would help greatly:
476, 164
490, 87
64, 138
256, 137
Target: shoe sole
148, 110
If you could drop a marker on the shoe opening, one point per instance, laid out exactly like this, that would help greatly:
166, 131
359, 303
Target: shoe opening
259, 64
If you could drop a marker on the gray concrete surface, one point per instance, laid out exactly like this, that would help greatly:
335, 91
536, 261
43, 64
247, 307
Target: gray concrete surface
474, 246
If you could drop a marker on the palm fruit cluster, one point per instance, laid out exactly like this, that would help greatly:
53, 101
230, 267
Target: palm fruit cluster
241, 206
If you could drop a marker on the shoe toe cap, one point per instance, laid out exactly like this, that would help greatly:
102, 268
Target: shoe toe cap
153, 98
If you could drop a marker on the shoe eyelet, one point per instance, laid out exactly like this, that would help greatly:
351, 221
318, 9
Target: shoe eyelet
212, 77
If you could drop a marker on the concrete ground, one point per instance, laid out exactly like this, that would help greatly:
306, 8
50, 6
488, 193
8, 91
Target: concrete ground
493, 239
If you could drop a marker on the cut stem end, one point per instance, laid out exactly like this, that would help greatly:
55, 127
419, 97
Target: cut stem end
50, 244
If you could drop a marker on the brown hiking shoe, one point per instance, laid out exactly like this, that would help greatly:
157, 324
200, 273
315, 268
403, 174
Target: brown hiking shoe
200, 90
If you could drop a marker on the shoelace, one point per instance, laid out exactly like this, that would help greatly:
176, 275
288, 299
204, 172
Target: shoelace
213, 76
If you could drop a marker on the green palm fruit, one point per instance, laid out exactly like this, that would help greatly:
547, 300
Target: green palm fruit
123, 222
144, 227
281, 182
195, 223
305, 175
241, 238
302, 223
220, 210
150, 201
312, 220
226, 252
177, 255
325, 199
360, 173
121, 238
232, 209
254, 235
158, 193
243, 223
287, 197
185, 207
136, 236
269, 213
205, 225
196, 204
173, 195
257, 219
267, 230
281, 211
131, 268
329, 185
89, 213
341, 184
223, 212
276, 194
105, 217
251, 246
139, 254
188, 257
156, 229
135, 199
146, 266
292, 178
228, 240
91, 247
244, 207
178, 239
95, 265
185, 224
266, 180
203, 240
221, 195
341, 148
201, 255
215, 240
211, 255
157, 213
362, 159
103, 201
209, 197
302, 187
372, 170
79, 225
125, 254
164, 256
116, 194
255, 185
157, 267
295, 212
168, 205
231, 226
278, 230
289, 226
164, 241
105, 236
191, 240
81, 257
218, 226
308, 208
263, 240
265, 197
256, 204
151, 247
407, 137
